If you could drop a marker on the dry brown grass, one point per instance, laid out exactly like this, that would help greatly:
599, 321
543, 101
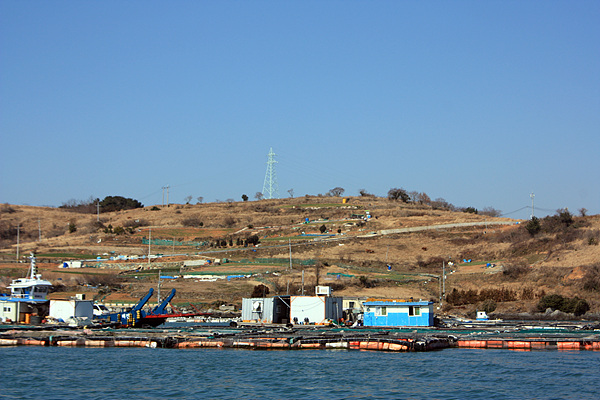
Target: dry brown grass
542, 262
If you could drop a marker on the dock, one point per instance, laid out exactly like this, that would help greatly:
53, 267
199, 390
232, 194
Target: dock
304, 337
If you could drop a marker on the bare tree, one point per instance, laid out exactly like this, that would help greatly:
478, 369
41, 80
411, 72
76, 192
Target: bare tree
291, 192
259, 196
200, 199
490, 212
414, 196
583, 211
188, 199
440, 203
336, 192
398, 194
423, 198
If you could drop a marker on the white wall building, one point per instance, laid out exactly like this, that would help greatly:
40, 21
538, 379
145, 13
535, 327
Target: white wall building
65, 309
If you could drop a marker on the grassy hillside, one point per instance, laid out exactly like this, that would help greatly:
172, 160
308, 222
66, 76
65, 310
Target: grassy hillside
509, 268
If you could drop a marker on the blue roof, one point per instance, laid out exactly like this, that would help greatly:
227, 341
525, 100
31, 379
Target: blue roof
4, 297
397, 303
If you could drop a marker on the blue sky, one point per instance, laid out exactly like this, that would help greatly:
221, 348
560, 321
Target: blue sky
476, 102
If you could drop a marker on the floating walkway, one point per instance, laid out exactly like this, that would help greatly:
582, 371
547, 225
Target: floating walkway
531, 344
302, 339
252, 343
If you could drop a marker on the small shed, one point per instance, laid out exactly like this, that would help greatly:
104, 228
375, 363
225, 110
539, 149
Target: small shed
398, 313
71, 264
268, 310
65, 309
315, 309
10, 310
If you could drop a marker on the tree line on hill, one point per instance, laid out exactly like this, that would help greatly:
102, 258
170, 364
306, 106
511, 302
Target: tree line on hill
108, 204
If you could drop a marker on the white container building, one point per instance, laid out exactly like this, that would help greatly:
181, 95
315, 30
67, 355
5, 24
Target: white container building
315, 309
65, 309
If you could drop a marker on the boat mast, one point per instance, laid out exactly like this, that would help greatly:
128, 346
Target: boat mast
32, 266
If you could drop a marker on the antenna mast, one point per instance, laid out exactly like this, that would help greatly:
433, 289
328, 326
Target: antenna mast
270, 186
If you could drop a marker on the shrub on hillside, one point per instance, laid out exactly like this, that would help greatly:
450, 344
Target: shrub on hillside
593, 237
118, 203
558, 222
252, 240
527, 294
7, 232
135, 223
490, 212
515, 270
89, 206
533, 226
260, 291
463, 297
365, 282
7, 209
229, 221
488, 306
432, 262
591, 279
193, 222
575, 305
396, 194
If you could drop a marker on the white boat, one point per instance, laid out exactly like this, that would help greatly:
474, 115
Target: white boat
27, 301
30, 289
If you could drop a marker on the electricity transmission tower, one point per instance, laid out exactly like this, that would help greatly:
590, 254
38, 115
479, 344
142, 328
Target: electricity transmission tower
270, 185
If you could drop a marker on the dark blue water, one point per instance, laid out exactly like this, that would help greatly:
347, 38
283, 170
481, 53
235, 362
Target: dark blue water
132, 373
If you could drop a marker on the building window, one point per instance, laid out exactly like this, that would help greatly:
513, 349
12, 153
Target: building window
414, 311
351, 304
380, 311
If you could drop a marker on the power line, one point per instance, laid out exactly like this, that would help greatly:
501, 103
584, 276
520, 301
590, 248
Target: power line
526, 207
512, 212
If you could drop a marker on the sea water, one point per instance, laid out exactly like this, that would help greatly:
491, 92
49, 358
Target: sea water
145, 373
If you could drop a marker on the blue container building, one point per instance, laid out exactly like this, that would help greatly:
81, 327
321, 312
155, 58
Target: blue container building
398, 313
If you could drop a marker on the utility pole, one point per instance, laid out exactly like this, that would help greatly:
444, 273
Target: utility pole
98, 210
441, 303
302, 282
39, 231
290, 244
444, 279
158, 288
149, 242
163, 201
532, 195
18, 238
